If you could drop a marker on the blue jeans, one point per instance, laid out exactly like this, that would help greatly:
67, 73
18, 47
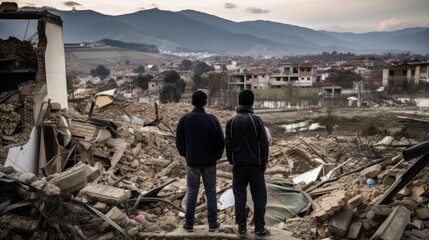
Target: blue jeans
193, 176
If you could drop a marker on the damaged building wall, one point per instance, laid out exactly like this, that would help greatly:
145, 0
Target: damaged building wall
55, 64
50, 75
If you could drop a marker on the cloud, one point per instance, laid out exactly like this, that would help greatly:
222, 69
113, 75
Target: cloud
230, 5
153, 5
390, 24
257, 10
71, 3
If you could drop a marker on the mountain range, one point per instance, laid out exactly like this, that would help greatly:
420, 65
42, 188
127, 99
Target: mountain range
190, 30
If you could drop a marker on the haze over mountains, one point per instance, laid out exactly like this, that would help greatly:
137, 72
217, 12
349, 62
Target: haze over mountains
190, 30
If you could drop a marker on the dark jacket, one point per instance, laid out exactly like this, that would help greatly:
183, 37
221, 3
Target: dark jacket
246, 140
199, 138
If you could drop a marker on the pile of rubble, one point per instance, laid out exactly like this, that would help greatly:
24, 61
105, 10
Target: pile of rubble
104, 176
16, 54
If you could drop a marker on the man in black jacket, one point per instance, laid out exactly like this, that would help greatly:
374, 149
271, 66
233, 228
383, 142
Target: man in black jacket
199, 138
247, 150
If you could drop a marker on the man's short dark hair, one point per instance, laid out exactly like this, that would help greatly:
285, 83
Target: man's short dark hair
199, 98
246, 98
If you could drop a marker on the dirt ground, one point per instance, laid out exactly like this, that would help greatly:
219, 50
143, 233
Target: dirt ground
347, 121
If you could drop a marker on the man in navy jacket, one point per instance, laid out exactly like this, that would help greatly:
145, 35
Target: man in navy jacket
199, 138
247, 150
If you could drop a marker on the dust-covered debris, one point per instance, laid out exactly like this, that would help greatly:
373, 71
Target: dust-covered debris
142, 162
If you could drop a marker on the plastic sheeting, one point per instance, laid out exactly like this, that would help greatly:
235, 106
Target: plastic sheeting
284, 200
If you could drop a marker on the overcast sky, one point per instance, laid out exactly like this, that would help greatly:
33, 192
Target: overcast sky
335, 15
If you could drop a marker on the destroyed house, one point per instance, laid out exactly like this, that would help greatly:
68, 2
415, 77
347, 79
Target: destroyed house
32, 74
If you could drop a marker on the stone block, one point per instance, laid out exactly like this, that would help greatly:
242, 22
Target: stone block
423, 213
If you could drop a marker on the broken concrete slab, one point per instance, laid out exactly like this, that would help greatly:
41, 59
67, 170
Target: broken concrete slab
70, 181
354, 230
339, 223
393, 227
371, 172
75, 178
106, 194
119, 145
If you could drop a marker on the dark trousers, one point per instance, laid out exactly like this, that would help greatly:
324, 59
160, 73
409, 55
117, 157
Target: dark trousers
253, 176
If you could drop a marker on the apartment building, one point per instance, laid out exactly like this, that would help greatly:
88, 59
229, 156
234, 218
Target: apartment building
406, 74
300, 75
255, 78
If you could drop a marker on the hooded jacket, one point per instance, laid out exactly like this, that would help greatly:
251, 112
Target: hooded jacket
246, 140
199, 138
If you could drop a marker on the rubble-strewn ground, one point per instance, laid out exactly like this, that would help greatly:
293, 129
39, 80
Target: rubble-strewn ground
147, 158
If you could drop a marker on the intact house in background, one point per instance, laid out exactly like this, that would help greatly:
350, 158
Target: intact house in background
405, 75
255, 78
299, 75
38, 76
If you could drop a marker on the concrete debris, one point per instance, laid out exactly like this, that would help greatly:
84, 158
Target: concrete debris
112, 173
393, 227
106, 194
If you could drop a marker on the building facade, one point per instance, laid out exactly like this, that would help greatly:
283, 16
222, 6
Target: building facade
406, 74
256, 78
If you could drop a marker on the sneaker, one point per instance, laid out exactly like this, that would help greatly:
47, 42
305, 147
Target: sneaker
188, 228
242, 232
262, 233
214, 228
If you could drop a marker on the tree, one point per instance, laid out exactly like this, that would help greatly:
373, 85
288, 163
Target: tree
101, 71
173, 88
344, 79
180, 85
142, 82
202, 67
216, 84
198, 82
186, 65
154, 68
171, 76
169, 93
140, 69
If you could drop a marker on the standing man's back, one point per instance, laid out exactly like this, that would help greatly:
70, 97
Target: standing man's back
199, 138
247, 151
